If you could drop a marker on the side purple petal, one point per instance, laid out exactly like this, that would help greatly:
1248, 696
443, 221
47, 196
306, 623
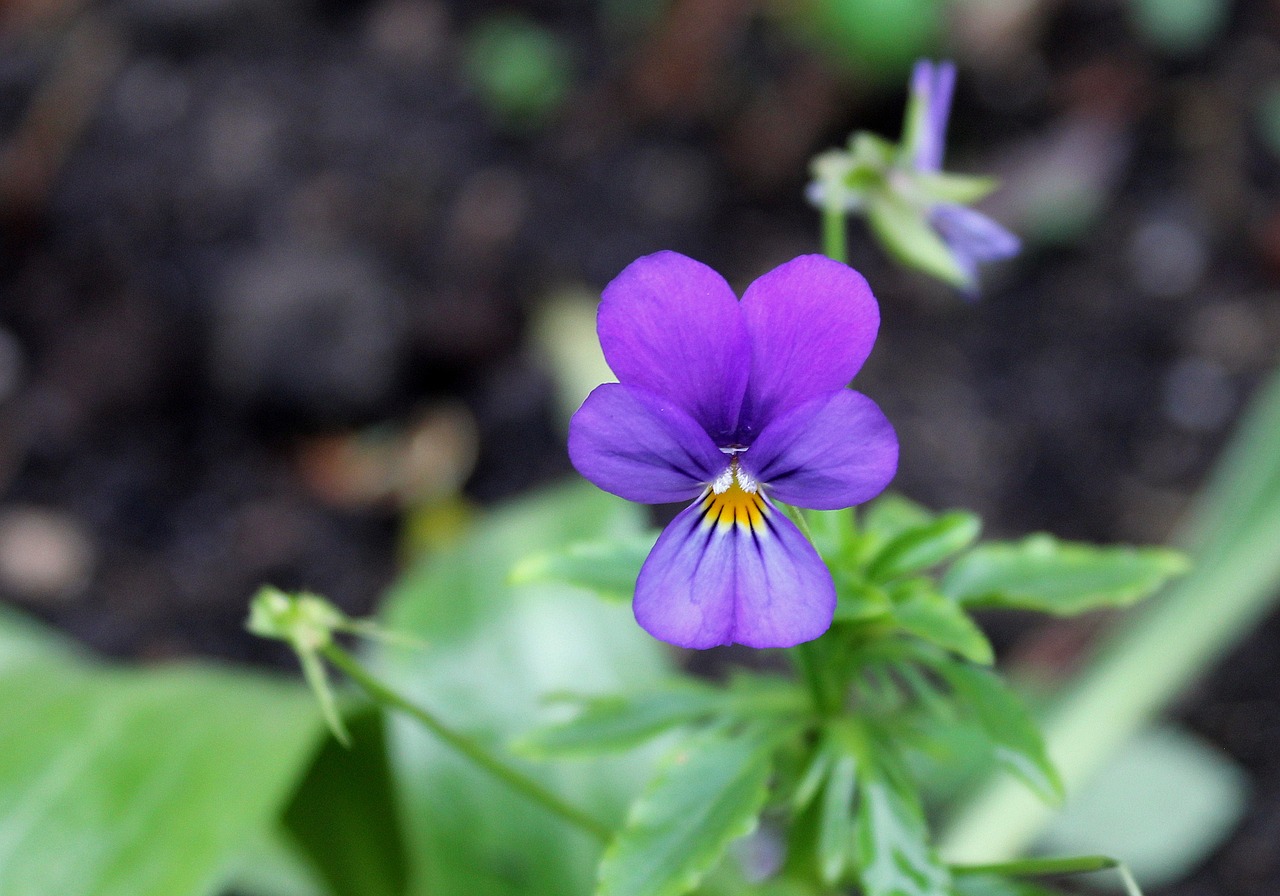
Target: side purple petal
935, 84
672, 326
708, 583
812, 322
833, 452
641, 447
972, 234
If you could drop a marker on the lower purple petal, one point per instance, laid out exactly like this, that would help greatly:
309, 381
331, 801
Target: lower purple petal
726, 574
833, 452
641, 447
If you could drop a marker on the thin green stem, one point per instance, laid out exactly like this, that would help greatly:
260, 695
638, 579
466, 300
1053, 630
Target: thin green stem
834, 238
466, 746
807, 662
1040, 867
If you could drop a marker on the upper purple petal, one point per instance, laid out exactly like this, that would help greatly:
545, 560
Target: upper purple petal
641, 446
935, 83
833, 452
672, 326
812, 322
708, 583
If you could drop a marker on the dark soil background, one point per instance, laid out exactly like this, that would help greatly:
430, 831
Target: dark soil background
253, 256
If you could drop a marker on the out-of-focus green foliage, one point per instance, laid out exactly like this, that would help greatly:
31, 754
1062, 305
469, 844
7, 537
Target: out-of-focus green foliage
872, 38
137, 782
494, 650
521, 70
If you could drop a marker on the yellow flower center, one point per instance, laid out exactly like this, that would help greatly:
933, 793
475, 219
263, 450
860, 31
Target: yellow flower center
734, 498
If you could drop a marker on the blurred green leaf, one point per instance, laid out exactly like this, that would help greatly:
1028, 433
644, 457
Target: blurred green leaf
922, 611
1064, 578
493, 651
522, 70
1179, 26
894, 856
904, 231
622, 722
1014, 735
856, 601
993, 885
345, 815
607, 567
891, 515
1161, 804
920, 547
709, 793
141, 782
836, 844
874, 38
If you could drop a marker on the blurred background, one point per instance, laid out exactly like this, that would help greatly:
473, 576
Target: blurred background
287, 288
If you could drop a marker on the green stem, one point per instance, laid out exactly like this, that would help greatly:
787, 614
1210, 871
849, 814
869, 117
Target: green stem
807, 662
466, 746
834, 239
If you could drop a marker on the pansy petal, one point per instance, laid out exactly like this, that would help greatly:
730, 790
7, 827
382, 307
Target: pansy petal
641, 447
733, 574
672, 325
936, 83
832, 452
972, 234
812, 322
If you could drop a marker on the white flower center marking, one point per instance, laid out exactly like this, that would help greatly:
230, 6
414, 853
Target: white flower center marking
733, 476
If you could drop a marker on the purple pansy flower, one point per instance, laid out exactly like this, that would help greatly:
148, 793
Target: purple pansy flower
971, 236
732, 404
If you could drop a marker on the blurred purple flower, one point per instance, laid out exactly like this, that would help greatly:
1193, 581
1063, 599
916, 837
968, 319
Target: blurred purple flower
732, 405
972, 237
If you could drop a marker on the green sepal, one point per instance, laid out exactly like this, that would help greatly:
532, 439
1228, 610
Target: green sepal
959, 189
905, 233
709, 792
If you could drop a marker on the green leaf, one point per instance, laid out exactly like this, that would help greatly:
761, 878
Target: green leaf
922, 611
1012, 731
836, 844
1063, 578
622, 722
890, 515
960, 189
926, 545
608, 567
994, 885
494, 651
345, 815
856, 601
141, 783
905, 233
894, 856
709, 793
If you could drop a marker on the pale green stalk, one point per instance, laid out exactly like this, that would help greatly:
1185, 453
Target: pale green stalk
1161, 647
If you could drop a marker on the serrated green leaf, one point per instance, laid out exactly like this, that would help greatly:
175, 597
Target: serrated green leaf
608, 567
1063, 578
1015, 738
836, 844
905, 233
894, 855
922, 611
612, 723
923, 546
960, 189
709, 793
